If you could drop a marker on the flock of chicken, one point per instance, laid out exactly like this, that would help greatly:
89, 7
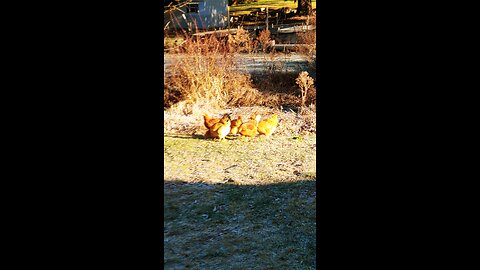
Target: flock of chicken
219, 128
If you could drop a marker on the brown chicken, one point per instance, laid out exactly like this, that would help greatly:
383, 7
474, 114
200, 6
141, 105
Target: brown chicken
235, 125
249, 129
268, 126
220, 129
209, 121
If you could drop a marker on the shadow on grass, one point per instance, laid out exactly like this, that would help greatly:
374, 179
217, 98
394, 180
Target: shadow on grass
184, 136
240, 226
197, 137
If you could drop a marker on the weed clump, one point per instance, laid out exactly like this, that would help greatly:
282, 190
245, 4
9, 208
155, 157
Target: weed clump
304, 82
206, 75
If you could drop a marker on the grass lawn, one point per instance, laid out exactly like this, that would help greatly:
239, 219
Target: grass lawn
268, 161
231, 226
239, 205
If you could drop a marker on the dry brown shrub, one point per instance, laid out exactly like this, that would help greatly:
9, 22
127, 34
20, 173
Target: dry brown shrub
170, 96
309, 38
305, 82
240, 42
264, 39
309, 123
207, 77
311, 96
311, 20
277, 88
276, 82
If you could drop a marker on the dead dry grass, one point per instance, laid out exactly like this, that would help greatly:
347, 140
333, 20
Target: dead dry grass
209, 77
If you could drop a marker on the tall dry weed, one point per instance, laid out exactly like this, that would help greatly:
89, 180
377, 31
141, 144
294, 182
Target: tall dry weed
304, 82
241, 42
206, 77
264, 39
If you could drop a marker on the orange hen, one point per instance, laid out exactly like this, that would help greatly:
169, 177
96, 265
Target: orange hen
220, 129
268, 126
235, 125
249, 129
209, 121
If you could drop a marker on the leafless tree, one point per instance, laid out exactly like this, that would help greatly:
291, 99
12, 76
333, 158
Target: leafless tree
304, 7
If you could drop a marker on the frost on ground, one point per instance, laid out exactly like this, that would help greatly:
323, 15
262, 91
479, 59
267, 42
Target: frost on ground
288, 155
277, 159
240, 204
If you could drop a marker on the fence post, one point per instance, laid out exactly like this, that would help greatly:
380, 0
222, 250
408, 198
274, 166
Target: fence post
267, 19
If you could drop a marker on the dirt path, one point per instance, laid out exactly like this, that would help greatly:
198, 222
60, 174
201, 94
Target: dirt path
291, 62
